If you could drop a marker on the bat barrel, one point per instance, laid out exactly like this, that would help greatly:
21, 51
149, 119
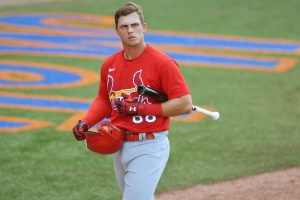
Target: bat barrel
213, 115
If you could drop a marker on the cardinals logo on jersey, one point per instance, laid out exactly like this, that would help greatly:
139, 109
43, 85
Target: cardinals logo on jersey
132, 92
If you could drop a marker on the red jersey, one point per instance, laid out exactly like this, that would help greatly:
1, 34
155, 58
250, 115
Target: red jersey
153, 69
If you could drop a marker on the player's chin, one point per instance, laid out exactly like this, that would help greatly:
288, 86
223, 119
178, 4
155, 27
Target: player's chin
133, 42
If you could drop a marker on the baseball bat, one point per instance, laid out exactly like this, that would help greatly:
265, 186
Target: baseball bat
161, 97
214, 115
148, 92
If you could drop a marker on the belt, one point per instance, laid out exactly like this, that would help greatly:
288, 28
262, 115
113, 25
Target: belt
138, 136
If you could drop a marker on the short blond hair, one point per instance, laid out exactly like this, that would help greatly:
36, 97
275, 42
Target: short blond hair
127, 9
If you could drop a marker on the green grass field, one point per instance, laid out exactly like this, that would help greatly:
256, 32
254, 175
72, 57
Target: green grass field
258, 130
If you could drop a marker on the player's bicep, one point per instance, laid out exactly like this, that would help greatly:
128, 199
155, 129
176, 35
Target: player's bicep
173, 82
104, 83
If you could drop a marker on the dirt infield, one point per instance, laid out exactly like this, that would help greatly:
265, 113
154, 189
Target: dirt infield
280, 185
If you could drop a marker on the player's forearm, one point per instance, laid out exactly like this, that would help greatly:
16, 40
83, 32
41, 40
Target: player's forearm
172, 107
98, 110
177, 106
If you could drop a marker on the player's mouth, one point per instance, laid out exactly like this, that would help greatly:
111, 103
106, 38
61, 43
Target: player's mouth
131, 37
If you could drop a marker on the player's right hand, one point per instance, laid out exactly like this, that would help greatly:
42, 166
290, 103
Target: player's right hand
127, 108
78, 130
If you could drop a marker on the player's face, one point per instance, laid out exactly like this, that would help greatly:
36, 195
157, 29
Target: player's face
131, 30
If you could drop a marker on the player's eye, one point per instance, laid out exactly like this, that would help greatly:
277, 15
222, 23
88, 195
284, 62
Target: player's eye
135, 24
123, 26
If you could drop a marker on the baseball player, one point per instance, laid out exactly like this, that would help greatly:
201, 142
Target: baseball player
139, 163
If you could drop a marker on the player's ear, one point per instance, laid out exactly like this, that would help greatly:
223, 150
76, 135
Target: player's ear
145, 27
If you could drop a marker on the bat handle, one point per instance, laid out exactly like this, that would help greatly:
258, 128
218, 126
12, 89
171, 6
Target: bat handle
213, 115
148, 92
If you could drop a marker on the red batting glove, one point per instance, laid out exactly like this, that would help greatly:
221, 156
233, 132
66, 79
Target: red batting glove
127, 108
78, 130
130, 107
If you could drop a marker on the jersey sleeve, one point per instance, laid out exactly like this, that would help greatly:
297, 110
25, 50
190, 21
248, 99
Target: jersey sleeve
173, 82
100, 107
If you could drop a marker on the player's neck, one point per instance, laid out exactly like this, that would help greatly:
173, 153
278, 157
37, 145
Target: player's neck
132, 52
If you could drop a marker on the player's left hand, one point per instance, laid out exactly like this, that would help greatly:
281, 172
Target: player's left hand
128, 106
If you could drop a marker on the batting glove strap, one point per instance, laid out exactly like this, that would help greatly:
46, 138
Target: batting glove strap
131, 108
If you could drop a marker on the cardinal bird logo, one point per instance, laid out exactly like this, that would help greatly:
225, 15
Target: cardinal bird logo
114, 95
137, 78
